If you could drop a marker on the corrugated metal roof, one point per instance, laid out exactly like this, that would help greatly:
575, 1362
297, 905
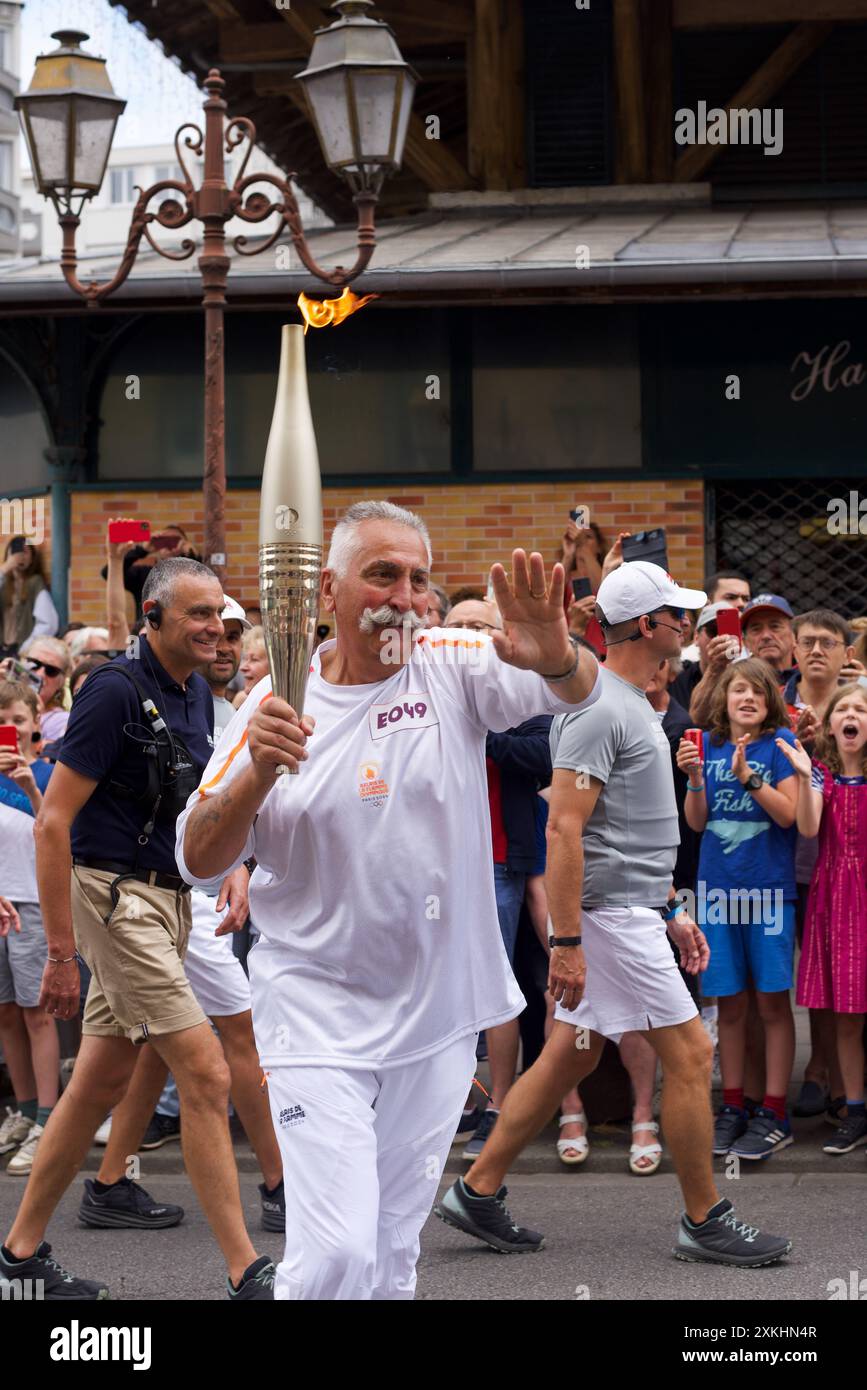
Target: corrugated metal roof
519, 248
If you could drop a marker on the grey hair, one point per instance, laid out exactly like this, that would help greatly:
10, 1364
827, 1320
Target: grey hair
167, 574
52, 644
80, 639
344, 539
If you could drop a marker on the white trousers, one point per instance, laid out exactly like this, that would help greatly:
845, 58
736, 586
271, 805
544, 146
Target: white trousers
363, 1153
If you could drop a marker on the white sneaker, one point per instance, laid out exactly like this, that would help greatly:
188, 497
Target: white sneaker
102, 1134
14, 1130
22, 1162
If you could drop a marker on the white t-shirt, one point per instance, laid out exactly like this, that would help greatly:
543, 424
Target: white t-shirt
374, 891
18, 868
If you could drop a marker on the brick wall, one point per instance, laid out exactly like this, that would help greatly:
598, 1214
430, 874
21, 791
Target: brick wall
470, 527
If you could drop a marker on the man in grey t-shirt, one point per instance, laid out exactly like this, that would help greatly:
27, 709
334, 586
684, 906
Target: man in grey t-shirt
612, 840
631, 835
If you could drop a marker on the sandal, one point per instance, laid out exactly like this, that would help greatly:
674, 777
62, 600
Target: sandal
579, 1147
651, 1151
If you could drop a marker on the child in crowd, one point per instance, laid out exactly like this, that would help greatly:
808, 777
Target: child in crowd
744, 798
832, 803
29, 1036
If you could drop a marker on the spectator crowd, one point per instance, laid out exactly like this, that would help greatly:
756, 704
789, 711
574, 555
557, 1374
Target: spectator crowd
765, 713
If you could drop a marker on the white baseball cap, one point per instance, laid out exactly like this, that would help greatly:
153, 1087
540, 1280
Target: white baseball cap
638, 587
233, 609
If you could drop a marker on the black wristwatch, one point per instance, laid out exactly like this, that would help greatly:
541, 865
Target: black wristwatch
563, 941
754, 781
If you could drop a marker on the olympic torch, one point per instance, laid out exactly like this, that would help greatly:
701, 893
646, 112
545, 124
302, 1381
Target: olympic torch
290, 529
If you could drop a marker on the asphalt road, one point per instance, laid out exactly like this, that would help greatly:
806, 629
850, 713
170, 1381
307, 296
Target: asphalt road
608, 1236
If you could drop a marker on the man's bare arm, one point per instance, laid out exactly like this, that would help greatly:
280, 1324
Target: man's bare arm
216, 830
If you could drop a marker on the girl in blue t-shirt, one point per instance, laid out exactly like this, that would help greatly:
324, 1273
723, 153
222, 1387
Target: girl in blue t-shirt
743, 795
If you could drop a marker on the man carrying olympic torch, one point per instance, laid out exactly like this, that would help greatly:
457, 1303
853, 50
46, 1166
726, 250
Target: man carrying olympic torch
377, 969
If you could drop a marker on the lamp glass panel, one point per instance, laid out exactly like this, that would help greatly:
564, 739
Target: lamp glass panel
94, 129
406, 96
48, 123
327, 96
375, 95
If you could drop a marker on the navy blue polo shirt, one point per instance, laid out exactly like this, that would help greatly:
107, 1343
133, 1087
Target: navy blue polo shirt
101, 742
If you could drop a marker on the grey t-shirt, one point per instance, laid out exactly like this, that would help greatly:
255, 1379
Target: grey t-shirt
631, 839
223, 713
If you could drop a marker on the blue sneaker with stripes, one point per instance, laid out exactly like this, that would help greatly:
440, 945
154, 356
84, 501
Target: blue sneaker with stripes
765, 1134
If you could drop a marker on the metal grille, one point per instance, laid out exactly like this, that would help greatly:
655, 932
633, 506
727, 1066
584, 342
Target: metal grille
777, 533
569, 87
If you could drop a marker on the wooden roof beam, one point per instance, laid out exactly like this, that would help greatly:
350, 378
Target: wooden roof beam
495, 95
631, 146
711, 14
757, 91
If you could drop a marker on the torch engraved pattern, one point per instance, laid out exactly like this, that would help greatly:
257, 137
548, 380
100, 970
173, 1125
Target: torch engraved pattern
289, 597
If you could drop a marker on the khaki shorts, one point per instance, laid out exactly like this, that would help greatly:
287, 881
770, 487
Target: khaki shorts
139, 988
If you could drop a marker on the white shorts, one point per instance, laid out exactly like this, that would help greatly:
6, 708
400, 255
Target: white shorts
633, 982
214, 971
363, 1153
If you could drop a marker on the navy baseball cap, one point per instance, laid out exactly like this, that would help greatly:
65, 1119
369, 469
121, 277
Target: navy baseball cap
763, 603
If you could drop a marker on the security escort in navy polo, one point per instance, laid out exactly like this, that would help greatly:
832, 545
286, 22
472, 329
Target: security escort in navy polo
139, 737
107, 738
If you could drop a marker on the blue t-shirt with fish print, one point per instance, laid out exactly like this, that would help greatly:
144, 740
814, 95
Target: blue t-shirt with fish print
741, 846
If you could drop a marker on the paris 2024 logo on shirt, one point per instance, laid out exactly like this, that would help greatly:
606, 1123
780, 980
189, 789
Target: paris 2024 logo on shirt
372, 788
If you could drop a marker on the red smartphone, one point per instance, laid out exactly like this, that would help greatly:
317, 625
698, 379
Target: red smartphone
9, 737
728, 623
697, 737
120, 531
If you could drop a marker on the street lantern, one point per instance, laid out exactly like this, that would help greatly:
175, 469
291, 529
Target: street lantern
68, 116
360, 91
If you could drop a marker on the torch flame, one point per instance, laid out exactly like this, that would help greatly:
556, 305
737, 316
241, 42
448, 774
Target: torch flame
319, 313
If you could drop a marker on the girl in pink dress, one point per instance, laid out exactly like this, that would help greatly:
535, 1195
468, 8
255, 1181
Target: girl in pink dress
832, 803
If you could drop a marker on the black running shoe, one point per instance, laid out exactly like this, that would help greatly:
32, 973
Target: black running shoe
467, 1125
126, 1204
724, 1240
273, 1207
257, 1282
728, 1126
852, 1132
57, 1283
161, 1130
486, 1218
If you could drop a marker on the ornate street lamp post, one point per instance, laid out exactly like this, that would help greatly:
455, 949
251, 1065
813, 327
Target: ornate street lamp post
360, 92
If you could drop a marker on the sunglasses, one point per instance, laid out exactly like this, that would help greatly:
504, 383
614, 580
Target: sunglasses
44, 666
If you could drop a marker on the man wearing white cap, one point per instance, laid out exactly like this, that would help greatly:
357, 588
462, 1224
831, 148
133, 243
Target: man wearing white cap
612, 840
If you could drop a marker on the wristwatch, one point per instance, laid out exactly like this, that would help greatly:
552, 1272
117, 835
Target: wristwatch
563, 941
753, 782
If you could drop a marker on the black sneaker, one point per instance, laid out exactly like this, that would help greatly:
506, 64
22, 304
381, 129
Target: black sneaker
487, 1219
852, 1132
126, 1204
257, 1282
161, 1130
812, 1100
273, 1207
481, 1134
765, 1134
729, 1124
467, 1125
724, 1240
57, 1283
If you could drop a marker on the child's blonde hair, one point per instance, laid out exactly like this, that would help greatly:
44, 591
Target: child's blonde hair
13, 691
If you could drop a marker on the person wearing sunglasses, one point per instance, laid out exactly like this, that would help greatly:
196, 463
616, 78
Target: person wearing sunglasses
51, 660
